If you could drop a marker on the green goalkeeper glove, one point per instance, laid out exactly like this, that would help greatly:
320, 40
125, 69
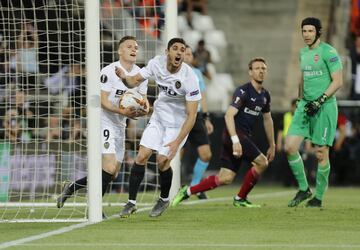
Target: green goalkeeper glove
312, 107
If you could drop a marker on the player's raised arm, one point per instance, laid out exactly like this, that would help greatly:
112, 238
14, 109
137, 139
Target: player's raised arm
129, 81
269, 130
191, 112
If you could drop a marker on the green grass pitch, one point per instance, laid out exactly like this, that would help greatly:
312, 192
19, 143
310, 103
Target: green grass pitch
213, 224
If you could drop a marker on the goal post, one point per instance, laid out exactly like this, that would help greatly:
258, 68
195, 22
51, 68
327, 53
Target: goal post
92, 36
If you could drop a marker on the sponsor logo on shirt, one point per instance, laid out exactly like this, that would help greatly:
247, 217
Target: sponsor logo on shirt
168, 90
120, 92
251, 112
313, 73
309, 72
255, 112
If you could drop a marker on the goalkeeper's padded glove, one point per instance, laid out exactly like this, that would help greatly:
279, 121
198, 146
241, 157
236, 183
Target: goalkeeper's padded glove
312, 107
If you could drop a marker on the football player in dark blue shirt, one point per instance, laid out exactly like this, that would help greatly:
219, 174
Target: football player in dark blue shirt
249, 101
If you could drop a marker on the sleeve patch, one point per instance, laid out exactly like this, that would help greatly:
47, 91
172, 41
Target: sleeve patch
196, 92
103, 78
334, 59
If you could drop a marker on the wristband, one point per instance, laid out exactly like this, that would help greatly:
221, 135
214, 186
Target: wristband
322, 98
235, 139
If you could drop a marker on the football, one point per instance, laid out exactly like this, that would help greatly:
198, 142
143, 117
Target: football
132, 98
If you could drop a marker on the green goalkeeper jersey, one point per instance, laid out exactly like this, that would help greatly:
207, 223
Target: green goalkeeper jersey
317, 65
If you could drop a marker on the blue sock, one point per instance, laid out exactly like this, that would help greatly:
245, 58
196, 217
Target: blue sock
199, 170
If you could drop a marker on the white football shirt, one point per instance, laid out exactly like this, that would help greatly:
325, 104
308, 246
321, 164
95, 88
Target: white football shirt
174, 90
110, 82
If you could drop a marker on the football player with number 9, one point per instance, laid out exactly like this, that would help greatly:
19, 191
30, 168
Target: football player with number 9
113, 116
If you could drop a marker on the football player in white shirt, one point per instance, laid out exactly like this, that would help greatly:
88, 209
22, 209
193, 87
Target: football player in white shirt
113, 117
173, 117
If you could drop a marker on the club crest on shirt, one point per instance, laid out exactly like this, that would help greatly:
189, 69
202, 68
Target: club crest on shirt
177, 84
106, 145
316, 57
103, 78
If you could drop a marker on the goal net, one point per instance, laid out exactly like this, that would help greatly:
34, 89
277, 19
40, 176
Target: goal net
43, 118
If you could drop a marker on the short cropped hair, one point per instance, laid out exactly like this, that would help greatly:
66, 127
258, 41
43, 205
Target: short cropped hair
125, 38
256, 59
175, 40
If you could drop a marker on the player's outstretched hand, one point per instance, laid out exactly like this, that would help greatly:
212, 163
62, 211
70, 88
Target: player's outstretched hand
237, 150
173, 147
120, 73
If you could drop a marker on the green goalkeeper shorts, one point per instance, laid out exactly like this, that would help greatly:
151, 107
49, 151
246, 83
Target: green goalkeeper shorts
319, 129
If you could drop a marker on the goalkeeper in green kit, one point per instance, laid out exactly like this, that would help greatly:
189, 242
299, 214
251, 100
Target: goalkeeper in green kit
316, 114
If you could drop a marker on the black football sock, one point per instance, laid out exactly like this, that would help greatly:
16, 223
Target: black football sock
106, 179
136, 176
78, 184
165, 182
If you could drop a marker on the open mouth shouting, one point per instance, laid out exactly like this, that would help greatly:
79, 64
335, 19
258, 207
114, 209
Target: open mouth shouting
177, 60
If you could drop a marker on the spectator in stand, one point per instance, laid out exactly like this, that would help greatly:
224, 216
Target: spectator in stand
69, 80
355, 68
202, 58
25, 59
25, 114
54, 130
193, 5
4, 76
355, 17
150, 16
77, 131
13, 125
340, 154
